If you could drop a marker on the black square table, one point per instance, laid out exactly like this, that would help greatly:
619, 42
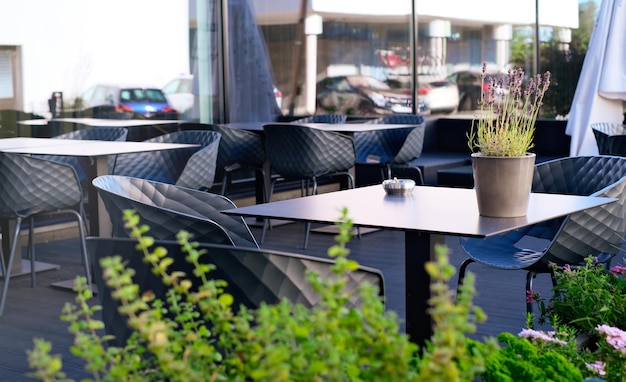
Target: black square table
424, 216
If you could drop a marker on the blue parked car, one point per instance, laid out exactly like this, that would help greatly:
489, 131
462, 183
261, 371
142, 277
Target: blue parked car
149, 102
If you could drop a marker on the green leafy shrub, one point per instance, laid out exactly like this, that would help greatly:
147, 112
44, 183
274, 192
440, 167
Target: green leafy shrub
206, 340
587, 296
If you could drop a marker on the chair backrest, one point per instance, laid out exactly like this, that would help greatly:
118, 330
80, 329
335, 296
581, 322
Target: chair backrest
323, 118
29, 184
241, 147
167, 209
169, 165
593, 231
297, 151
97, 133
101, 133
610, 138
392, 145
252, 275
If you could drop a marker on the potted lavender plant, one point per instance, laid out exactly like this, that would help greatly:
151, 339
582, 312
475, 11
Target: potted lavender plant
500, 140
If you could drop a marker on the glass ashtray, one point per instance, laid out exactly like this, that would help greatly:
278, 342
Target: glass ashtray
399, 187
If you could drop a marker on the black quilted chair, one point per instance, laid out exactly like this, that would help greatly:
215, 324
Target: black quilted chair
594, 232
167, 209
253, 276
82, 164
392, 148
610, 138
323, 118
32, 187
192, 167
239, 150
300, 153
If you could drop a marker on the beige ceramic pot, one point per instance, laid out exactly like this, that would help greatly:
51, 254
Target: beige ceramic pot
503, 184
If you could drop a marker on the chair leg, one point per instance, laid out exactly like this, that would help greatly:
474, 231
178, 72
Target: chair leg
307, 229
462, 269
31, 251
266, 222
7, 274
224, 183
307, 225
529, 287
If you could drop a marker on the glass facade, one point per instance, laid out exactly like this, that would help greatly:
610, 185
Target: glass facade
441, 57
255, 60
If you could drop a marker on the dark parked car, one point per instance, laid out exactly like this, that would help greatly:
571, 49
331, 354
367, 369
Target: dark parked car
470, 86
148, 102
361, 95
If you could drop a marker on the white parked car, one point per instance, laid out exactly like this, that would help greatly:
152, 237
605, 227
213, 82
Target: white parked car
440, 96
179, 93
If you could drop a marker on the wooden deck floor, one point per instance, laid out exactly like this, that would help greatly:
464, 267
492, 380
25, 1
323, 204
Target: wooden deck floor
31, 313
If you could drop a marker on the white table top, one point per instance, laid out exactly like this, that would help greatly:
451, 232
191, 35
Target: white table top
87, 148
337, 127
102, 122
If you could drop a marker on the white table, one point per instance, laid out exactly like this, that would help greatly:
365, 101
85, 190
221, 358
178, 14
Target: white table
133, 124
98, 150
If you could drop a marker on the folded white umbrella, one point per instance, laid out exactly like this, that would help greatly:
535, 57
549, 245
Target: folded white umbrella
601, 89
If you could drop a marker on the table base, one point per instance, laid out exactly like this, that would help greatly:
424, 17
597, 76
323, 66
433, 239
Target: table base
25, 268
68, 285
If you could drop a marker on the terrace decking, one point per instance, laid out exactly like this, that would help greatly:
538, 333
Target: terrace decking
32, 313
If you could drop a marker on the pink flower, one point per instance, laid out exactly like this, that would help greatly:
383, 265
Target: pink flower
618, 269
614, 337
532, 295
597, 366
567, 268
541, 335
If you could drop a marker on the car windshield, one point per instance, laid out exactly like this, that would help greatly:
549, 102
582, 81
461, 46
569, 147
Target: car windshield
363, 82
142, 95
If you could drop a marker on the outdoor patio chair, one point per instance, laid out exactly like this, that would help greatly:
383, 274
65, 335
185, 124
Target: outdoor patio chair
610, 138
252, 275
594, 232
323, 118
192, 167
391, 148
300, 153
168, 208
239, 150
29, 188
82, 164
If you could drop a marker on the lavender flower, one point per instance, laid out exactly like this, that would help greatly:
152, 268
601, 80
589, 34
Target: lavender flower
508, 112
